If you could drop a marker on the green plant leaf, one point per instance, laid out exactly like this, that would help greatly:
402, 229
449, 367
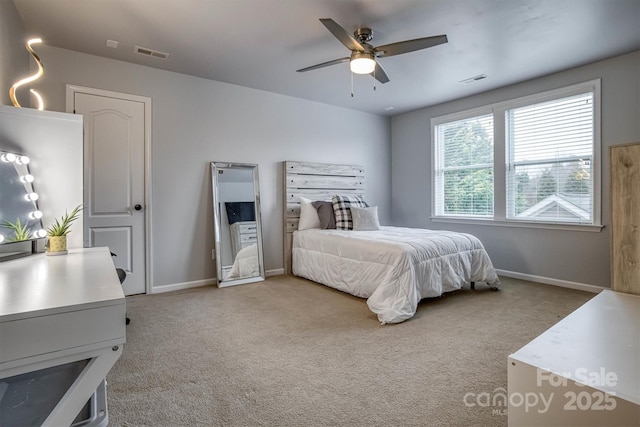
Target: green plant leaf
20, 231
62, 226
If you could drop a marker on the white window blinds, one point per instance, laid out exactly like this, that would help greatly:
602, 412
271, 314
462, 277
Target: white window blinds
550, 161
463, 173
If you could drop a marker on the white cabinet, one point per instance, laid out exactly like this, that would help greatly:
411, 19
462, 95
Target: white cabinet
60, 310
243, 234
583, 371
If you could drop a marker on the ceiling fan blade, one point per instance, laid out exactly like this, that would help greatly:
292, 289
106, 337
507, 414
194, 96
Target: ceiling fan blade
342, 35
324, 64
380, 74
409, 45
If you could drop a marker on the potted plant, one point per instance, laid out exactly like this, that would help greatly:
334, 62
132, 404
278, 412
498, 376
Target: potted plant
57, 232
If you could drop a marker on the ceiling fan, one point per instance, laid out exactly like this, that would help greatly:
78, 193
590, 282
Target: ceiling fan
364, 57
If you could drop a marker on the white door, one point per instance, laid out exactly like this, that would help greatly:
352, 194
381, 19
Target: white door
114, 181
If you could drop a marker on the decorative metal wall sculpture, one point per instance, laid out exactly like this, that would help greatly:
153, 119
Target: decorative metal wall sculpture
40, 73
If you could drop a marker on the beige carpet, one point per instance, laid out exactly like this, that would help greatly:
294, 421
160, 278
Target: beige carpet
290, 352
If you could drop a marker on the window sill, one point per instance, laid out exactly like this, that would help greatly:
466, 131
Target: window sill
520, 224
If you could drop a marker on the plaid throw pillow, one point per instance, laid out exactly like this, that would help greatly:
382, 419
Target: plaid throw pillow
342, 211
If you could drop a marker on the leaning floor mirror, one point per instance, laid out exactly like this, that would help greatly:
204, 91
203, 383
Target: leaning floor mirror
237, 227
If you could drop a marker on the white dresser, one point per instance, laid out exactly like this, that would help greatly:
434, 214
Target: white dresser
60, 311
243, 234
583, 371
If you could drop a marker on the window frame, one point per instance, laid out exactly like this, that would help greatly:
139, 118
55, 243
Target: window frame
438, 157
499, 110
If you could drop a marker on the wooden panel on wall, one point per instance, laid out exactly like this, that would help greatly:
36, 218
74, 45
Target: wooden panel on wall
625, 218
319, 181
294, 194
326, 169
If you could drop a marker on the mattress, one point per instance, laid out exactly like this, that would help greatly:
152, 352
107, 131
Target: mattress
394, 267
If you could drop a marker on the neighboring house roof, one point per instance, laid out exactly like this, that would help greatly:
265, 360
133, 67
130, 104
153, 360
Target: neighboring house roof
565, 206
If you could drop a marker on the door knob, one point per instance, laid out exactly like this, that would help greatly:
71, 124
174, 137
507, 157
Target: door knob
138, 207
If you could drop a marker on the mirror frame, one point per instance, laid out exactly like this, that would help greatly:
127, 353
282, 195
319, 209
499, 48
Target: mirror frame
12, 249
216, 167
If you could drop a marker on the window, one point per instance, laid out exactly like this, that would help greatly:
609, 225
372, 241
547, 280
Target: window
550, 157
464, 167
542, 169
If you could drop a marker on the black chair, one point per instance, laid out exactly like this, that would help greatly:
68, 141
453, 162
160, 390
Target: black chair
121, 276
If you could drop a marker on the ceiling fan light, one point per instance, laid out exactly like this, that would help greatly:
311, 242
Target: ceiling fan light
362, 63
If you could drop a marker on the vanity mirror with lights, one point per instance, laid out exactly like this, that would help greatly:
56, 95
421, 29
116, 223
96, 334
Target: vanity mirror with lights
20, 218
237, 226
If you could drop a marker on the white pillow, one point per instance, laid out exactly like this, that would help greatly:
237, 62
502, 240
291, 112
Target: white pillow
308, 215
365, 219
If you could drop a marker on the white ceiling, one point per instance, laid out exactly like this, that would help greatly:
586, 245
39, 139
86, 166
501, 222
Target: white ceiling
261, 43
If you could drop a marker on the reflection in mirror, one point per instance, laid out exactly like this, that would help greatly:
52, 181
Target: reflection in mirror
20, 218
237, 226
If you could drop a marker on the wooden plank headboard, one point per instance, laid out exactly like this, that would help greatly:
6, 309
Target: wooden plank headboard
315, 181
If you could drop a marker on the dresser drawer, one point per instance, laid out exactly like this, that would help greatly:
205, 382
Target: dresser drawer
243, 234
77, 329
247, 228
248, 238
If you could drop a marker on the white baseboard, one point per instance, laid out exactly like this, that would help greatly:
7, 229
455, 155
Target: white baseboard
274, 272
279, 271
205, 282
184, 285
551, 281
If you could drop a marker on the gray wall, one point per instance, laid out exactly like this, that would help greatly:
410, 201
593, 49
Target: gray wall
14, 59
581, 257
195, 121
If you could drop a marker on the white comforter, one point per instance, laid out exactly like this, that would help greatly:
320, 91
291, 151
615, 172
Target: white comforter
393, 267
246, 263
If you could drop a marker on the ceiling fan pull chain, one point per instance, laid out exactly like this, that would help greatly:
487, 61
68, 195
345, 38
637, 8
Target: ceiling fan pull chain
351, 84
374, 79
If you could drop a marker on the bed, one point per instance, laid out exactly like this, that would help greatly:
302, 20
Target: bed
393, 267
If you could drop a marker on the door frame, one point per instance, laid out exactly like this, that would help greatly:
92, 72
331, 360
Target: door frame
71, 90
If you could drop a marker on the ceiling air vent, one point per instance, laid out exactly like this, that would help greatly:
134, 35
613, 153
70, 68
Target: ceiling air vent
150, 52
473, 79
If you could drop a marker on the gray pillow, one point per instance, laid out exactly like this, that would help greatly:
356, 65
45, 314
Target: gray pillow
326, 215
365, 219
